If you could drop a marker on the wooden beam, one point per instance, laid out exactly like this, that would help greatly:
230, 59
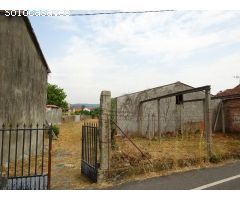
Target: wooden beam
159, 120
223, 119
217, 117
177, 93
140, 119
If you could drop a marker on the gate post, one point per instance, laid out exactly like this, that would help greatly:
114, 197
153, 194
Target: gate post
105, 134
208, 123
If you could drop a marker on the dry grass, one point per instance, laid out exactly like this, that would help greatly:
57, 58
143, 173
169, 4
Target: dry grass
167, 155
172, 153
66, 158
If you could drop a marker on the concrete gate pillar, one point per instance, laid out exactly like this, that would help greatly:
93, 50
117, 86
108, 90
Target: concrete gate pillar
208, 123
105, 134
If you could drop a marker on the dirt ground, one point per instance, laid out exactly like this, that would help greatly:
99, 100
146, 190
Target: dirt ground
66, 158
188, 152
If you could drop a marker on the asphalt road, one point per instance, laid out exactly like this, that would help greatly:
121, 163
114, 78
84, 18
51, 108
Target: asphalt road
220, 178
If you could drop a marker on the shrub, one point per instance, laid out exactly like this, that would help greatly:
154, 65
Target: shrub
55, 129
215, 158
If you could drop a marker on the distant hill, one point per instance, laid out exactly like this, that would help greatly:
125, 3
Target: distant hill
87, 105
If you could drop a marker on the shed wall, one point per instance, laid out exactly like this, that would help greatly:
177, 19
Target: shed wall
23, 77
173, 117
23, 82
232, 115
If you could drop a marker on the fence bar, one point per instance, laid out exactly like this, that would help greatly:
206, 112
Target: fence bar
131, 142
43, 149
23, 149
29, 156
49, 159
15, 163
3, 126
9, 148
96, 146
43, 154
87, 142
82, 143
91, 145
89, 166
36, 157
16, 152
19, 175
85, 152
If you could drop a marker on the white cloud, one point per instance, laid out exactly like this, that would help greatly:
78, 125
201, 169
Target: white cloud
65, 23
153, 42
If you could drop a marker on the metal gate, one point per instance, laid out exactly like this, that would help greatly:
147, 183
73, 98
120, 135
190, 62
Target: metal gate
90, 141
25, 154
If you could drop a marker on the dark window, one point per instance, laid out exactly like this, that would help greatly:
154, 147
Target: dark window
179, 99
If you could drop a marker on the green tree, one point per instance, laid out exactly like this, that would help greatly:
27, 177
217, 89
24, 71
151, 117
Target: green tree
95, 112
57, 96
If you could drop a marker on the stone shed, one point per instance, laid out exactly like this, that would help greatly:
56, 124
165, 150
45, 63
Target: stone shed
176, 113
53, 114
23, 73
231, 109
23, 85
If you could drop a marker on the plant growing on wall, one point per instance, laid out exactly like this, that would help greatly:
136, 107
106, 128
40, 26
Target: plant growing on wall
56, 96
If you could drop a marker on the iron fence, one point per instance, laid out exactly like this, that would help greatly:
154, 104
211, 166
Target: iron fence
25, 154
89, 161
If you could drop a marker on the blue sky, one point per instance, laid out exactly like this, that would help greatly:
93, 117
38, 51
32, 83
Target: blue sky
131, 52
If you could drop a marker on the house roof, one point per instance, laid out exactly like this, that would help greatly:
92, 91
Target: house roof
52, 106
34, 39
178, 82
228, 92
36, 43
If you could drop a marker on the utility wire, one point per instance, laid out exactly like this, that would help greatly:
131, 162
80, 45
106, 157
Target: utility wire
120, 12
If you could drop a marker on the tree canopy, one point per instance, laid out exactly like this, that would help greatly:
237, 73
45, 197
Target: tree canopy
56, 96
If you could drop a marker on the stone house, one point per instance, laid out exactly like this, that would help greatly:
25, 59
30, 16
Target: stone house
23, 73
53, 114
23, 84
176, 113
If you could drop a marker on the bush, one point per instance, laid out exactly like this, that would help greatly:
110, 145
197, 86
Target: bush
55, 129
215, 158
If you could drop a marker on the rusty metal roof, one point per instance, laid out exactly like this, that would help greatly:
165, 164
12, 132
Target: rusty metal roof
227, 92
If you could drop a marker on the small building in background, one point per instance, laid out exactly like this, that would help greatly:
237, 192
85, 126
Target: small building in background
86, 109
168, 116
231, 109
53, 114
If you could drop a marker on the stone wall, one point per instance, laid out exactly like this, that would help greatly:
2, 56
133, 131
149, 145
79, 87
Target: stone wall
144, 121
23, 79
54, 116
232, 115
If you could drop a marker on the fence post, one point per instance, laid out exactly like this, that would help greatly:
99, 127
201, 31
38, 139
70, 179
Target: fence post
208, 125
105, 133
49, 158
139, 120
159, 119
